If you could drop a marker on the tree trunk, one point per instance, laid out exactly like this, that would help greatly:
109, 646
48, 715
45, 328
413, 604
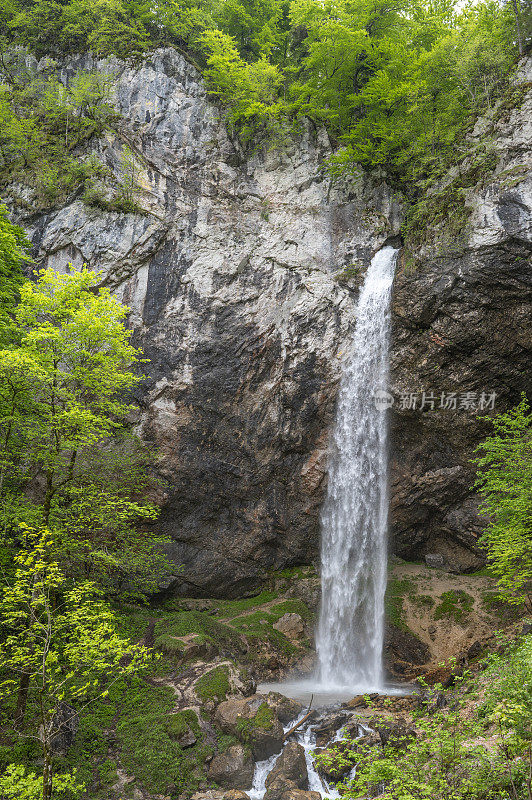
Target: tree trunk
22, 699
47, 773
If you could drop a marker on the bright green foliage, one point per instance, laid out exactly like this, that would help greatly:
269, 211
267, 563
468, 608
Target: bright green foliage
60, 643
213, 685
63, 432
509, 697
449, 759
43, 119
505, 483
104, 26
17, 784
13, 251
398, 86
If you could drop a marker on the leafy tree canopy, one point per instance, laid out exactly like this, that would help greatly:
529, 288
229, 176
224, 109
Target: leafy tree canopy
505, 482
68, 460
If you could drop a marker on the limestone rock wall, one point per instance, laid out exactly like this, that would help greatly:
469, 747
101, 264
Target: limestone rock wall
462, 323
231, 273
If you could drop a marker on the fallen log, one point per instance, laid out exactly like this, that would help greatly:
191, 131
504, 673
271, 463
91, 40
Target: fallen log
301, 721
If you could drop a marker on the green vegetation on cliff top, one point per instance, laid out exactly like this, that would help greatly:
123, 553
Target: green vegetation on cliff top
397, 85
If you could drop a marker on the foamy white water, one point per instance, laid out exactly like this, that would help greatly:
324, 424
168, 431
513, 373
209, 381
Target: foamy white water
355, 512
307, 739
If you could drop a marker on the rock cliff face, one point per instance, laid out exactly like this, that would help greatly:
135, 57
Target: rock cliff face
232, 275
463, 325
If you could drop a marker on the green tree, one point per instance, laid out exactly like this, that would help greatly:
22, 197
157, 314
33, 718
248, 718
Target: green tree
13, 253
62, 642
504, 480
68, 459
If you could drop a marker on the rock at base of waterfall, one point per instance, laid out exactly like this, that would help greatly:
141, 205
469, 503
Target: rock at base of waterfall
436, 561
398, 733
216, 794
403, 651
254, 721
293, 793
291, 625
232, 769
331, 770
290, 766
285, 708
326, 728
285, 790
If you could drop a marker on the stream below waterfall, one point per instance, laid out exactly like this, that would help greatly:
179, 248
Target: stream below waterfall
307, 739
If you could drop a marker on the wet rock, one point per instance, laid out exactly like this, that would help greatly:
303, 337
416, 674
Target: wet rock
403, 650
285, 708
359, 701
291, 625
252, 721
326, 729
291, 766
233, 768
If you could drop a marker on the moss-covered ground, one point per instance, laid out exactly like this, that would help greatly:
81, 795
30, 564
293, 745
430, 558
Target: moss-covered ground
130, 739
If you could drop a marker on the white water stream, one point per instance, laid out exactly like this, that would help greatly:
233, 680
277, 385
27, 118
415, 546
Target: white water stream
307, 739
354, 516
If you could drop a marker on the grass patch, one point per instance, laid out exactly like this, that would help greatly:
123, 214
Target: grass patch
232, 608
396, 591
214, 685
203, 625
263, 720
423, 600
291, 607
454, 604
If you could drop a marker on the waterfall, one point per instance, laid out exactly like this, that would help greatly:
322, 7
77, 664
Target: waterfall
354, 516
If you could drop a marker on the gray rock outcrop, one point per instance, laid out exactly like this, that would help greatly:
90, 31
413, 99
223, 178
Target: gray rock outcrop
241, 274
232, 769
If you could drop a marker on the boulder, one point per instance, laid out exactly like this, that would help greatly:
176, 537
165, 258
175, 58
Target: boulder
327, 728
396, 733
291, 625
299, 794
232, 769
435, 561
279, 787
285, 708
291, 765
66, 722
252, 721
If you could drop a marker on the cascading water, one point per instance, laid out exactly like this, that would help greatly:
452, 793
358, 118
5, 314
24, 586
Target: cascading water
354, 516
